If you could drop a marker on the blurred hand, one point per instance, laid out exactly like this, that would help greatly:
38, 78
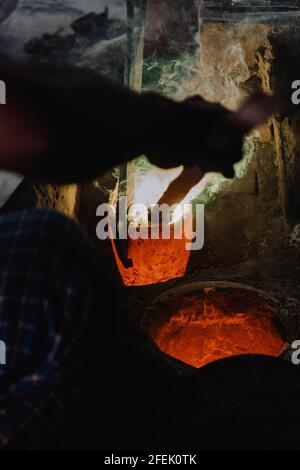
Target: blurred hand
21, 138
222, 146
66, 124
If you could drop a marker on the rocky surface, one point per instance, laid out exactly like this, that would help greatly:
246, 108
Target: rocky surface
91, 32
237, 60
32, 195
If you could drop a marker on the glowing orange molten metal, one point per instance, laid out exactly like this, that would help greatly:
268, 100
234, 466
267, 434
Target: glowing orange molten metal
158, 260
199, 337
154, 260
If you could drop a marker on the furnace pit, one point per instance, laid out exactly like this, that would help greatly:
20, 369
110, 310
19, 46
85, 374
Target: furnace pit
154, 261
215, 323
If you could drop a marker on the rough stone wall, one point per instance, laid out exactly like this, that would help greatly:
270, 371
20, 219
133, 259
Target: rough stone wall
31, 195
168, 25
285, 70
255, 214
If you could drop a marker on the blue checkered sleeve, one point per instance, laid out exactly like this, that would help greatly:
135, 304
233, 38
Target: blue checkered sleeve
47, 301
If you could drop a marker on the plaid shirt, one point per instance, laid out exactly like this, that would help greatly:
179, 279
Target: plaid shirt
47, 299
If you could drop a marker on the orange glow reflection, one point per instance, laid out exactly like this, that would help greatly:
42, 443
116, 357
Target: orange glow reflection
199, 337
154, 261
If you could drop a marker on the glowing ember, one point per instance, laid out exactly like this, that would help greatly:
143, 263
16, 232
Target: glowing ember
198, 337
154, 260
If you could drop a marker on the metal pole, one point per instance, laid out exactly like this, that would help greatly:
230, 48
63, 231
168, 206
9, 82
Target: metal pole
133, 74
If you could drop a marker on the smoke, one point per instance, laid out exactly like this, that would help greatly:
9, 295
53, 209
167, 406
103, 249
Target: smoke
217, 67
217, 71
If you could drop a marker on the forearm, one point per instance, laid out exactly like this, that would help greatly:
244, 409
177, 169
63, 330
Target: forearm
69, 124
79, 125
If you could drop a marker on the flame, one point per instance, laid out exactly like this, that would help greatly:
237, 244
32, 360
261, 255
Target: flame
200, 337
149, 189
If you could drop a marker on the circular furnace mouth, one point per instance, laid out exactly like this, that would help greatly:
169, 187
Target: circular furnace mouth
199, 324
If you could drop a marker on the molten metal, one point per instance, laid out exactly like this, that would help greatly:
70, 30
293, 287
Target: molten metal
154, 260
199, 337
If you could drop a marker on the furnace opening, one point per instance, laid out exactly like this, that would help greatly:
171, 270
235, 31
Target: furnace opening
216, 323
